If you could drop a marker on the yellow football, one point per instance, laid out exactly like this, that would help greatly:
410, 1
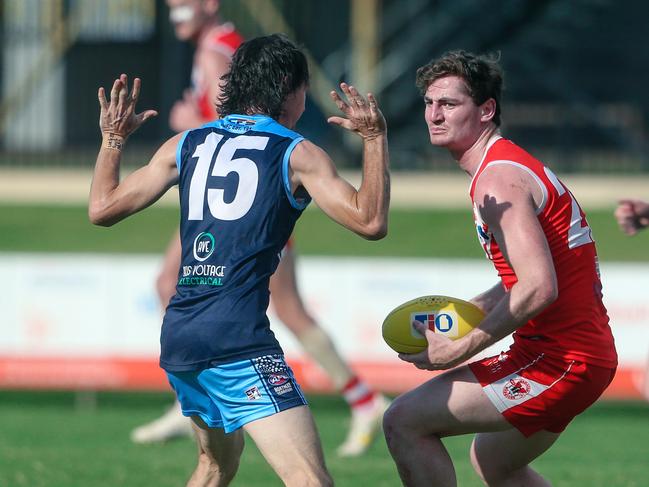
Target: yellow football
448, 316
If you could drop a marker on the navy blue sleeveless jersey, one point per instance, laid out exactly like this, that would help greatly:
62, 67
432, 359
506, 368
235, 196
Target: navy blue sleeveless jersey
237, 213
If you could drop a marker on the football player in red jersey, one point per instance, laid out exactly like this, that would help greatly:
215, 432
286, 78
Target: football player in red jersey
216, 41
549, 297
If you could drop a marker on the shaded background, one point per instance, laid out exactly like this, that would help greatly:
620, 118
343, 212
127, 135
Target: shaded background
576, 72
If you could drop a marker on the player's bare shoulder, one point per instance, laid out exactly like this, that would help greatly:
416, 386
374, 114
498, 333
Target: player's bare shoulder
308, 157
505, 184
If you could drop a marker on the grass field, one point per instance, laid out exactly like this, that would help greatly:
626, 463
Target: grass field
48, 441
52, 439
412, 233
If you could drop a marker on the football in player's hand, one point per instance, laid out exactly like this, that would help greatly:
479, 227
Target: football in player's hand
448, 316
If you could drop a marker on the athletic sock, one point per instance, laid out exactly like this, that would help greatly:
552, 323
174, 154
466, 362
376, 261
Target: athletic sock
359, 396
317, 344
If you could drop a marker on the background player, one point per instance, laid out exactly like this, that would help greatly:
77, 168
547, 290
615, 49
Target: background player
198, 21
216, 345
632, 215
563, 356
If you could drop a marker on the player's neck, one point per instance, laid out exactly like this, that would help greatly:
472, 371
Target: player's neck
469, 160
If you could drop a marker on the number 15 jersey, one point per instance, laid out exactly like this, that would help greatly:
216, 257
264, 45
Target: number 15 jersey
575, 326
237, 212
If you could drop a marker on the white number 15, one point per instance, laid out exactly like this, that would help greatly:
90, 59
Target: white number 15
245, 168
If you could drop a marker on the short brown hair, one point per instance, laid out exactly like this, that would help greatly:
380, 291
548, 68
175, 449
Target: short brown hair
482, 74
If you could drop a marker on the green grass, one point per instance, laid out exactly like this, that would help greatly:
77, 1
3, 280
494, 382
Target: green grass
412, 233
48, 441
45, 440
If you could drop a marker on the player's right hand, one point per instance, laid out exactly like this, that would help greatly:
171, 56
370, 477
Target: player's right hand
118, 115
441, 353
361, 116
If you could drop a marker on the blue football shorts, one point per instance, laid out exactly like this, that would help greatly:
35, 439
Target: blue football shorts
231, 395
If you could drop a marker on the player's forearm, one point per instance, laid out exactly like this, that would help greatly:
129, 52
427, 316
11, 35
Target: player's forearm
488, 300
373, 198
512, 311
105, 179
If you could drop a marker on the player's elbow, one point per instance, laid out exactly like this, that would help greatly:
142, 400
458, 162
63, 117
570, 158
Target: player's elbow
546, 293
98, 215
375, 230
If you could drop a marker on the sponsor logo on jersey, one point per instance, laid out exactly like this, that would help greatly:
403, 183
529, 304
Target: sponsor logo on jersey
283, 389
444, 323
277, 379
202, 274
203, 246
242, 121
516, 388
253, 394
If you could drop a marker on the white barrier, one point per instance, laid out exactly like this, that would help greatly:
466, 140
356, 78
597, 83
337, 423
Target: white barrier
93, 320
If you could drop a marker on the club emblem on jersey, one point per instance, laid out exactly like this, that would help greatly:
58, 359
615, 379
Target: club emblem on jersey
253, 394
203, 246
277, 379
484, 235
516, 388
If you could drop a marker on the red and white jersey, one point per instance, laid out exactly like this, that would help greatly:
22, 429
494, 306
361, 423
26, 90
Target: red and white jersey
225, 40
575, 326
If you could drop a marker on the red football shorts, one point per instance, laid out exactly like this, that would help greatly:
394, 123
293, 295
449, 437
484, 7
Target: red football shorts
535, 392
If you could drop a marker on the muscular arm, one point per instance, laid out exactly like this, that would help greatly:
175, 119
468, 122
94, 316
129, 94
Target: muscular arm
508, 209
487, 300
363, 211
111, 200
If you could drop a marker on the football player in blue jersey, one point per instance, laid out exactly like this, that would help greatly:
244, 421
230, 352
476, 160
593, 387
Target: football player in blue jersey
243, 180
215, 42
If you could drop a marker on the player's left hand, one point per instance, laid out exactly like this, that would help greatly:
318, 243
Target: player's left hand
362, 116
440, 354
118, 115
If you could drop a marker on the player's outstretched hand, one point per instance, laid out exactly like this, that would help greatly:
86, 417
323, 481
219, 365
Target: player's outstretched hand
118, 115
632, 215
440, 354
361, 116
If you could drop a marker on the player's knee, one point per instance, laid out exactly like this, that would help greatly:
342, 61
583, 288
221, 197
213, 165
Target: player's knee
394, 428
224, 470
319, 478
476, 461
489, 468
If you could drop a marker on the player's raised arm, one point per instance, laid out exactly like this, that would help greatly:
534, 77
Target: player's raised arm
364, 211
111, 201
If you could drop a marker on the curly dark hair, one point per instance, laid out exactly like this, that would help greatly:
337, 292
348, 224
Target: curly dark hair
264, 71
482, 74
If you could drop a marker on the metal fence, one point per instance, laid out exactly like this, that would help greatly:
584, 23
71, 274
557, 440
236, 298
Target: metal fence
575, 72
